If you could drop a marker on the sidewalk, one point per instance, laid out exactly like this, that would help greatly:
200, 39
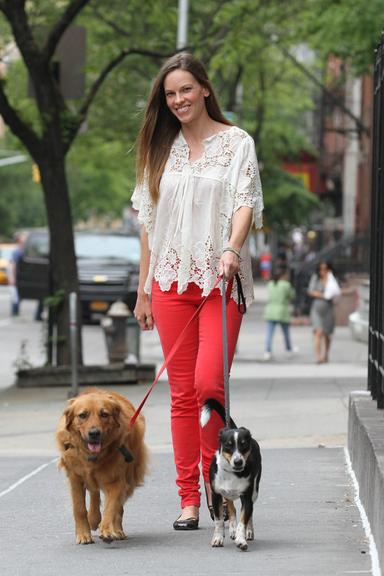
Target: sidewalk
307, 521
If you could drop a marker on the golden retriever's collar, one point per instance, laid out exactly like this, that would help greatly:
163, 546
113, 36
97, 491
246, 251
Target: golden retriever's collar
126, 453
123, 450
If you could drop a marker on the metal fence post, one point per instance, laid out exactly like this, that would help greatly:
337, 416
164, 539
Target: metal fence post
376, 296
73, 341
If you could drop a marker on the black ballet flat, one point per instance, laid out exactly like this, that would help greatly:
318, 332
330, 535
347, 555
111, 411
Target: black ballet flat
187, 524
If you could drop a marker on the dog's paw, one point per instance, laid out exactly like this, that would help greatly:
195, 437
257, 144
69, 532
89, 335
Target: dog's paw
108, 534
249, 535
217, 541
241, 543
240, 540
120, 535
232, 529
84, 538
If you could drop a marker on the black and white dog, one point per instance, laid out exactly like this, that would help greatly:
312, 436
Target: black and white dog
234, 473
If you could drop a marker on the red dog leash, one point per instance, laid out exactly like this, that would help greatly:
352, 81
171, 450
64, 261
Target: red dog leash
171, 355
178, 342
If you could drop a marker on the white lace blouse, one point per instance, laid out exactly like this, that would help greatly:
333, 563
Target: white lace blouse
191, 223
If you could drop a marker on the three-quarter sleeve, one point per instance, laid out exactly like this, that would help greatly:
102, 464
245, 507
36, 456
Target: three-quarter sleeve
248, 190
143, 203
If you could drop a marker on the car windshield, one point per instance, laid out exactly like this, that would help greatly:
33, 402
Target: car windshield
108, 246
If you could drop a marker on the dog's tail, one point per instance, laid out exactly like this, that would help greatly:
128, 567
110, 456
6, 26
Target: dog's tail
213, 405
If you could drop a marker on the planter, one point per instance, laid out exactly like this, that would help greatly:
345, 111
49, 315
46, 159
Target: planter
99, 375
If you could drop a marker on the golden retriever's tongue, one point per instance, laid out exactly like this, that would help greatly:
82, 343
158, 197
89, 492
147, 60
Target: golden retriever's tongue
94, 447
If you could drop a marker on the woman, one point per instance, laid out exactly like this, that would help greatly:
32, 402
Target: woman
197, 192
277, 311
322, 288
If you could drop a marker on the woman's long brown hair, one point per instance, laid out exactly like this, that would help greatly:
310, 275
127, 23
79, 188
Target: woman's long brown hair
160, 126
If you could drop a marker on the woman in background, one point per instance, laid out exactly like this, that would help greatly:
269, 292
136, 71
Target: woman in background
323, 288
277, 311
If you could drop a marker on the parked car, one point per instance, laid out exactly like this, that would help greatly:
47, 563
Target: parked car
5, 257
107, 262
359, 319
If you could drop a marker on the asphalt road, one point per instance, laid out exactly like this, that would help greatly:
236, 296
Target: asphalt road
305, 524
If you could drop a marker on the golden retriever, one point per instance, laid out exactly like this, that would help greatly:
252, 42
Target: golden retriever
100, 452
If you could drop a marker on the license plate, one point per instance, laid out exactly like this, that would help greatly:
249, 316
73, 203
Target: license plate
97, 306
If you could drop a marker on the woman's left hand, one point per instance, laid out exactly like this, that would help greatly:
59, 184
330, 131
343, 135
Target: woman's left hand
229, 265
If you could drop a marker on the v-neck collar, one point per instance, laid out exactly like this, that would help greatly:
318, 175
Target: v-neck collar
180, 142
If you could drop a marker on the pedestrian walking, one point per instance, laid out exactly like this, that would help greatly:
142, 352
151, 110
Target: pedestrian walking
278, 309
16, 255
198, 191
323, 288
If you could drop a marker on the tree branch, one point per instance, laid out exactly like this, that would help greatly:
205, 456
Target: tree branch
18, 127
14, 11
73, 9
115, 27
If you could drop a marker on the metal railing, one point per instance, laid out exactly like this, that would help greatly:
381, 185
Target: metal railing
376, 308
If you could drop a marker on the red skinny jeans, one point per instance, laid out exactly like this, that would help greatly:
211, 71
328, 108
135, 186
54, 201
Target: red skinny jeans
195, 373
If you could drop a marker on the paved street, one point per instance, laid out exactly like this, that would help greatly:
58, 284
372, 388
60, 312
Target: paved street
307, 522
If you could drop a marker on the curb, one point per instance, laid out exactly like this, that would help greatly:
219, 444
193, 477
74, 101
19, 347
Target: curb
366, 449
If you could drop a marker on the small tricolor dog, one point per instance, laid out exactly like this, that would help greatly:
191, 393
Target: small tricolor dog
235, 472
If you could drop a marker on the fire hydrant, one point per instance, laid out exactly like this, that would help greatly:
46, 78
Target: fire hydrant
115, 330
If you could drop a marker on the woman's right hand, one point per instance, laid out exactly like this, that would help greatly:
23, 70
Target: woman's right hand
143, 312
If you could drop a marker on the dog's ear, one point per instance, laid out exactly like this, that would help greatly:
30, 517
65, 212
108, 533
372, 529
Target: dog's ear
246, 435
222, 434
116, 414
69, 414
115, 411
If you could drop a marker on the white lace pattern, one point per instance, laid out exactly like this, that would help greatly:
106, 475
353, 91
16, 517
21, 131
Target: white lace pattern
191, 223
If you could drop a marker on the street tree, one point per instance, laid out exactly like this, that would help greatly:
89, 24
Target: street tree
49, 135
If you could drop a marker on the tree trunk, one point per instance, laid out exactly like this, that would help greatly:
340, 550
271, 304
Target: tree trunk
62, 251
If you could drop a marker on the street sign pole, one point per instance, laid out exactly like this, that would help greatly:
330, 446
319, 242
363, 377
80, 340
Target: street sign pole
182, 24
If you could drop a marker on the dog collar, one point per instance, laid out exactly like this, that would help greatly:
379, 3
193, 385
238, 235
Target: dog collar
122, 449
126, 453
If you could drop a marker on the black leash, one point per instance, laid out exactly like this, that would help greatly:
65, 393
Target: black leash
241, 304
240, 296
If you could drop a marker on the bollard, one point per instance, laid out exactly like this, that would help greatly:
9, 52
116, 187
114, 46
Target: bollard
73, 343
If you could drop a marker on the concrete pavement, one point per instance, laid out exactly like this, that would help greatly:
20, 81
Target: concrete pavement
307, 521
305, 524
